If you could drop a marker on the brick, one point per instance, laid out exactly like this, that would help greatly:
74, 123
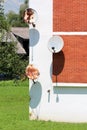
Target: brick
70, 65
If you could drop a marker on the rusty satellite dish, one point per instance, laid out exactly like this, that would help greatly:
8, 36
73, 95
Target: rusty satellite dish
30, 16
32, 72
55, 44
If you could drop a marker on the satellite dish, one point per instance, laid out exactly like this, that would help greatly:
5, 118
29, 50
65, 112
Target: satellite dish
30, 16
55, 44
32, 72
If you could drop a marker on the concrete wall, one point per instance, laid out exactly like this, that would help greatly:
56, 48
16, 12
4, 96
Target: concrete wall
68, 104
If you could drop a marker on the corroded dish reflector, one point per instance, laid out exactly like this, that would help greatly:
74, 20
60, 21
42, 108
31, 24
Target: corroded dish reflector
30, 16
32, 72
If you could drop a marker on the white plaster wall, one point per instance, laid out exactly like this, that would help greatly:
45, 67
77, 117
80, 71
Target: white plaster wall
60, 104
42, 58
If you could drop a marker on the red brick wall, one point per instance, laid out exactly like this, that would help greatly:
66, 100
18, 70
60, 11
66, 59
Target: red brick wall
70, 65
69, 15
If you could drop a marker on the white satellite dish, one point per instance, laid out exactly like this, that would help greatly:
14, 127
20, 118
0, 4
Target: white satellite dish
55, 44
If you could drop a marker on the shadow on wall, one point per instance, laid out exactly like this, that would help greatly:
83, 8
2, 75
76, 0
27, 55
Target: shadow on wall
69, 90
61, 90
34, 36
51, 70
58, 62
35, 94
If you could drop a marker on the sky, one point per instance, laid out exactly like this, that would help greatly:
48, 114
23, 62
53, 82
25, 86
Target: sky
12, 5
